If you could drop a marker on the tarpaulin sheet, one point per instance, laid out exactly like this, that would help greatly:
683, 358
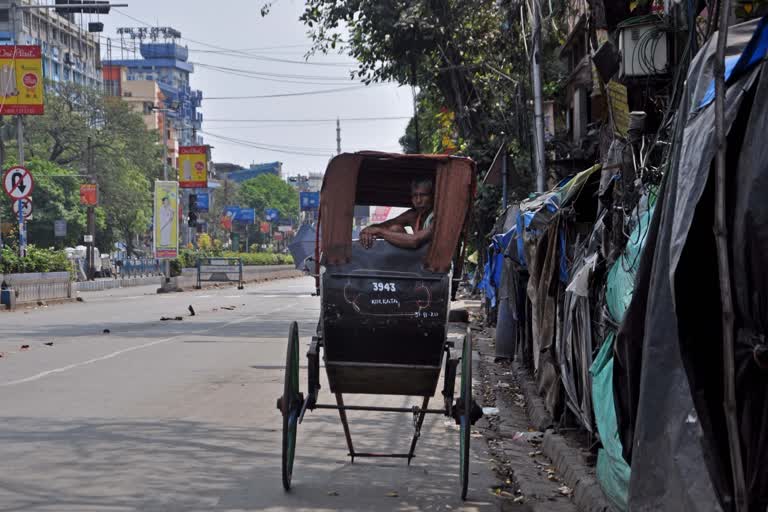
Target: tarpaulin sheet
612, 471
665, 378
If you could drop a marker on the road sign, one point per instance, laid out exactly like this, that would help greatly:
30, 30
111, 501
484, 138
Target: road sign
60, 228
26, 205
88, 239
18, 183
309, 200
272, 214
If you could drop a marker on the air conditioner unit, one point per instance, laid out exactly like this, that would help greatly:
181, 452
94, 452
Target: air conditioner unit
643, 50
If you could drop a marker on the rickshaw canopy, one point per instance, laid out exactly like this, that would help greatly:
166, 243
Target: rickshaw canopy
383, 179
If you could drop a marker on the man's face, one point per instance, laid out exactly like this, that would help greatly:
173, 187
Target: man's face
421, 195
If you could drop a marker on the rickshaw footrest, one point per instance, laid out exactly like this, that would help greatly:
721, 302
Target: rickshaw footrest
387, 455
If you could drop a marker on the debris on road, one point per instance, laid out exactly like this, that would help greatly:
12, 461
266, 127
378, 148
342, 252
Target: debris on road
48, 344
106, 331
167, 318
393, 494
191, 310
25, 347
333, 493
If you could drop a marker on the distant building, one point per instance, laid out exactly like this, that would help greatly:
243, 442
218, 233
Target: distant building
239, 174
70, 54
167, 63
146, 97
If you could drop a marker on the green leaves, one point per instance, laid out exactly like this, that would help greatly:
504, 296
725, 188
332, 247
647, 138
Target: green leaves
269, 191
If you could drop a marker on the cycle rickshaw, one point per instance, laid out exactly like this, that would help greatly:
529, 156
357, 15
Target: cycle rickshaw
385, 311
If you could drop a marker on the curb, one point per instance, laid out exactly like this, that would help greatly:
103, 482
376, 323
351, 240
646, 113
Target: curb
587, 494
534, 404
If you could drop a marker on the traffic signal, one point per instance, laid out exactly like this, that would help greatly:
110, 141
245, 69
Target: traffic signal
192, 218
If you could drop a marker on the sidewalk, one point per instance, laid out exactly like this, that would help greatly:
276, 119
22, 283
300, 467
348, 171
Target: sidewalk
536, 467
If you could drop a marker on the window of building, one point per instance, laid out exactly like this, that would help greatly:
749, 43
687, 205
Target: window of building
26, 19
5, 16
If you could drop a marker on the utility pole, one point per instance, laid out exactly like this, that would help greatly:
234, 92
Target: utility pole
91, 217
338, 136
538, 110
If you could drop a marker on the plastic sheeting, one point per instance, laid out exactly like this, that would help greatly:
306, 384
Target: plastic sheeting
668, 365
612, 471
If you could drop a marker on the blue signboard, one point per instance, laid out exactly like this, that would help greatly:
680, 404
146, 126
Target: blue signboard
203, 202
309, 200
244, 215
271, 214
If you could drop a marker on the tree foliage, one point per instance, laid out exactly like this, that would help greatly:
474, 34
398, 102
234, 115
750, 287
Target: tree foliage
100, 139
269, 191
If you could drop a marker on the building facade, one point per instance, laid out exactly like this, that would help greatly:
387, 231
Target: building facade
167, 64
147, 99
70, 52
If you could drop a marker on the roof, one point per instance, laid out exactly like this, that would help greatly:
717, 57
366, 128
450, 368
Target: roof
384, 179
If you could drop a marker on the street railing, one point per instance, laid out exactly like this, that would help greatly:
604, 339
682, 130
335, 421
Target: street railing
226, 270
40, 286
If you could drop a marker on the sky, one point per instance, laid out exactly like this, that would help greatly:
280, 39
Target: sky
261, 45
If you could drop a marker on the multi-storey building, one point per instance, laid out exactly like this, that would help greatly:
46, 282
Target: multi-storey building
147, 99
70, 52
167, 64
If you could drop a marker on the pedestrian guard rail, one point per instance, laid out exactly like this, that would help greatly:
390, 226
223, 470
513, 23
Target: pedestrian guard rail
39, 286
138, 267
224, 270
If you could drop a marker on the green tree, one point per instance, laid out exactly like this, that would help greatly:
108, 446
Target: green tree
56, 196
85, 133
269, 191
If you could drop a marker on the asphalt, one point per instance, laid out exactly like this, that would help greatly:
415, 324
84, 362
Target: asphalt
180, 415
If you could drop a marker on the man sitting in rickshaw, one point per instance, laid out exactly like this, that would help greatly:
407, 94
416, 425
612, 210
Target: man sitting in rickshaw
420, 219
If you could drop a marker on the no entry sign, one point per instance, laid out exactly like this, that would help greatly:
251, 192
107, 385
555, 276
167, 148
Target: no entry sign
18, 183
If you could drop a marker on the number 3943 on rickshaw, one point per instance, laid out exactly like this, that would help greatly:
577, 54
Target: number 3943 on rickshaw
385, 309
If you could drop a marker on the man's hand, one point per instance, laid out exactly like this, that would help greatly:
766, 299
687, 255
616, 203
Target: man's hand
368, 236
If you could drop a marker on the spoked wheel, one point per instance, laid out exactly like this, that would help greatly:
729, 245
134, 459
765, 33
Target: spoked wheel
290, 404
464, 412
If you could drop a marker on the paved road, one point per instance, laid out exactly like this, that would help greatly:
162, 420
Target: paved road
180, 415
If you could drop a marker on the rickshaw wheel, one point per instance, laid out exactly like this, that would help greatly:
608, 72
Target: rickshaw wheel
291, 402
465, 419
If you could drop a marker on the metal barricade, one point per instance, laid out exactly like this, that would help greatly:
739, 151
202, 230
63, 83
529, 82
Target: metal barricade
223, 270
36, 287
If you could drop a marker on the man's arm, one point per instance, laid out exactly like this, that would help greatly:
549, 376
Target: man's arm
406, 241
369, 234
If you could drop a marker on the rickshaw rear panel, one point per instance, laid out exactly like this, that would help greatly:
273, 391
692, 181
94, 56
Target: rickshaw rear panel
384, 322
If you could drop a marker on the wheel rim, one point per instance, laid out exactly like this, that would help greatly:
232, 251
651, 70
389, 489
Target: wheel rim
465, 425
291, 404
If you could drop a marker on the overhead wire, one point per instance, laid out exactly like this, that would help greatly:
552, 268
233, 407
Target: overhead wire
293, 94
238, 53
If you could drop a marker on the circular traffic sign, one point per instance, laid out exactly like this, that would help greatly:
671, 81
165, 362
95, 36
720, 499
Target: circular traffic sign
18, 183
26, 204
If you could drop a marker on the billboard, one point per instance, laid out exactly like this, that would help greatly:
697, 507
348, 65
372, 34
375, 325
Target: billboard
203, 202
309, 200
21, 80
193, 166
244, 215
166, 230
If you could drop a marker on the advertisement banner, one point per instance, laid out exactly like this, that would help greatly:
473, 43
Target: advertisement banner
309, 200
271, 214
193, 166
237, 214
89, 194
203, 202
21, 80
166, 232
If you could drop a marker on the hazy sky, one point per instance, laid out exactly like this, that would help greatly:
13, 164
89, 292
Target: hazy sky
237, 25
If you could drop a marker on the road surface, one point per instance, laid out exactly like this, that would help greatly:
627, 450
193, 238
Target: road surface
180, 415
